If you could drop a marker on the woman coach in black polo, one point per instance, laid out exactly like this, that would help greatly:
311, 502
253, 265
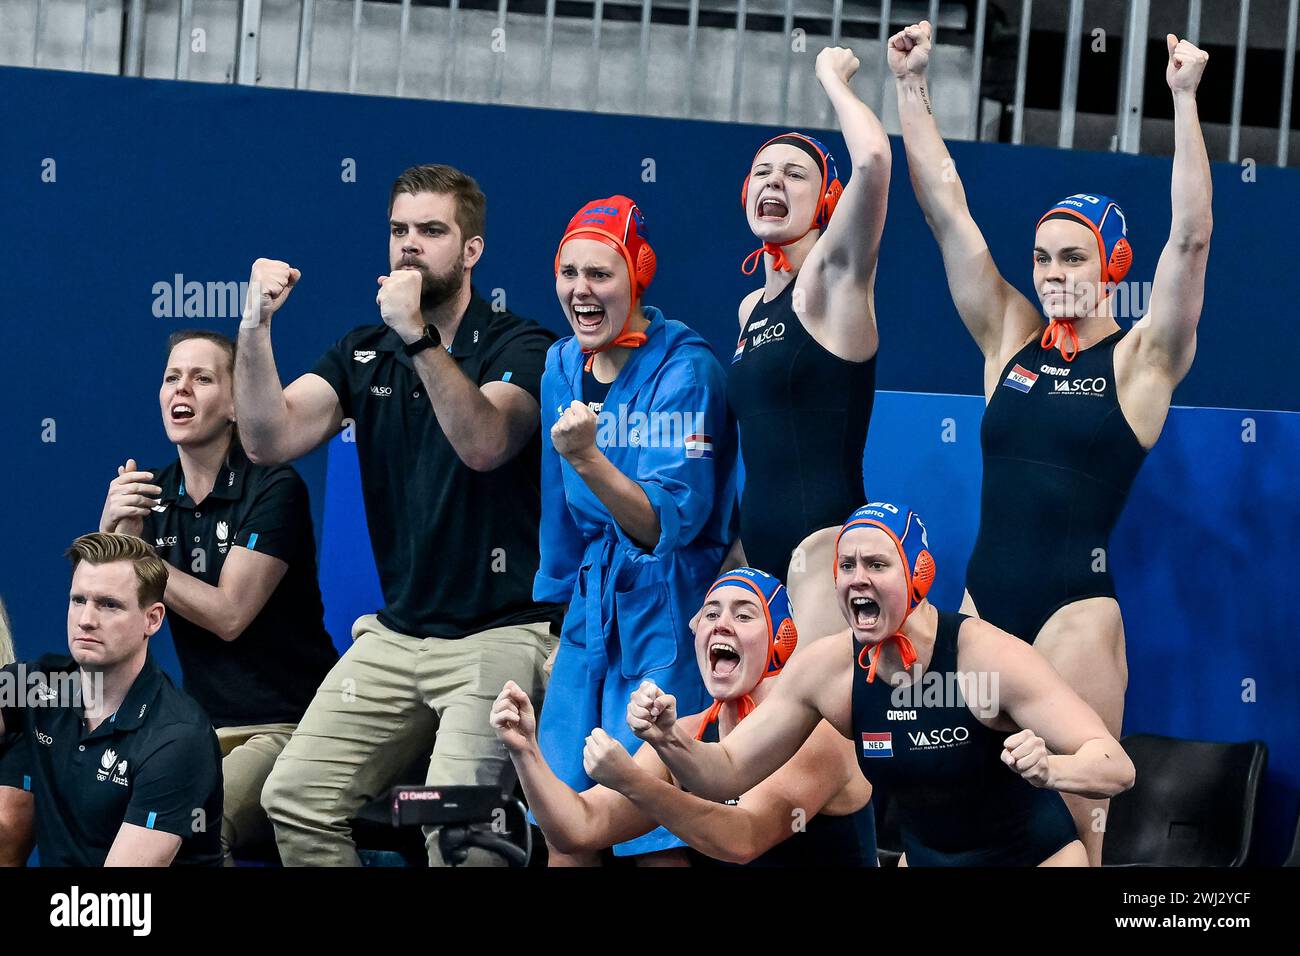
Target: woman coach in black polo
242, 595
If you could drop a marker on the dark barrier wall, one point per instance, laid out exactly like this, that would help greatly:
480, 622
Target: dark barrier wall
115, 194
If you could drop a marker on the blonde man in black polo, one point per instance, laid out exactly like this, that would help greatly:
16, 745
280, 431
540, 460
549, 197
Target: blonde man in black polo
124, 768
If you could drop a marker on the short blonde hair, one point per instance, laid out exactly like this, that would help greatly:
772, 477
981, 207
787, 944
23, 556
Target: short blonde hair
103, 547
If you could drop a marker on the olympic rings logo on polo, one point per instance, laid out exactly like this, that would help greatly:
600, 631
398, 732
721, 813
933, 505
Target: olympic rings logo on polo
945, 737
1081, 386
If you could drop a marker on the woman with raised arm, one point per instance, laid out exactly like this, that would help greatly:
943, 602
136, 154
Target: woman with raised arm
803, 378
1073, 404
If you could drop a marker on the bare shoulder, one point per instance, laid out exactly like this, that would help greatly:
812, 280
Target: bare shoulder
747, 305
985, 648
820, 674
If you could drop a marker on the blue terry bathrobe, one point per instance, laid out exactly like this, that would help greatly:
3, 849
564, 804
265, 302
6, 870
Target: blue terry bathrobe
666, 425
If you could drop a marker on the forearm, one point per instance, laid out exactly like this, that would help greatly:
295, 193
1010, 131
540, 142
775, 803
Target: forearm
704, 769
864, 134
719, 831
1192, 188
477, 429
1099, 769
202, 604
566, 819
626, 500
259, 397
934, 177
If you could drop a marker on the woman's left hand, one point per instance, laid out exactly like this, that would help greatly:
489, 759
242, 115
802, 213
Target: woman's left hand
607, 761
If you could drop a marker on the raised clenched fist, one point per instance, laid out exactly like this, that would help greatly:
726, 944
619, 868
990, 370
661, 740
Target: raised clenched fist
836, 62
268, 286
1026, 753
909, 50
651, 713
399, 303
1186, 64
513, 719
574, 433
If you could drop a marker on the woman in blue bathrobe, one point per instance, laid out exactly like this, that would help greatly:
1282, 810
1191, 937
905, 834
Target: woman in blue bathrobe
638, 496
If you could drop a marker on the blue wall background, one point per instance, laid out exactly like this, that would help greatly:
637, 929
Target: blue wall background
158, 178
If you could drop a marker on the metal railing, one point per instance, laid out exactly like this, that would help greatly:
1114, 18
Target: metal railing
962, 20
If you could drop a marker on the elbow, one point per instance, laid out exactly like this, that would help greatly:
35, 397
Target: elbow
572, 844
875, 159
487, 457
1127, 777
742, 853
229, 628
1193, 241
259, 452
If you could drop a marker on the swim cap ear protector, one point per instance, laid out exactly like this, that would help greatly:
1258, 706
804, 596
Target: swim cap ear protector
831, 190
775, 600
904, 528
1105, 219
782, 637
618, 223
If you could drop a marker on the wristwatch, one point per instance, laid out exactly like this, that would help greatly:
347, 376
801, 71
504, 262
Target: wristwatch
428, 339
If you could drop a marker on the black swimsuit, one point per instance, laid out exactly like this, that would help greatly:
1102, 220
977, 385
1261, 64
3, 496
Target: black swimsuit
957, 803
803, 415
1059, 460
825, 840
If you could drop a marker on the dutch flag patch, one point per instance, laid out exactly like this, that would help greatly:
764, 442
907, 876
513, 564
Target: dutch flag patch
1020, 378
699, 446
878, 745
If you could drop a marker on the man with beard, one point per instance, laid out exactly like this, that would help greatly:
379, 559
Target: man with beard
444, 400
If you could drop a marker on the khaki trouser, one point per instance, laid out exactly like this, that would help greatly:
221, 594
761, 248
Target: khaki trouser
247, 756
390, 699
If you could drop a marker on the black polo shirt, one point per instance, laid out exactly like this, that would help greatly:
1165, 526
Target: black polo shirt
155, 763
13, 763
269, 674
456, 549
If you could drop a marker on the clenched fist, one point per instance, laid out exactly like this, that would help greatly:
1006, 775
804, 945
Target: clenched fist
606, 761
1186, 64
268, 287
399, 303
1026, 753
909, 50
651, 713
129, 500
513, 719
574, 434
836, 63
